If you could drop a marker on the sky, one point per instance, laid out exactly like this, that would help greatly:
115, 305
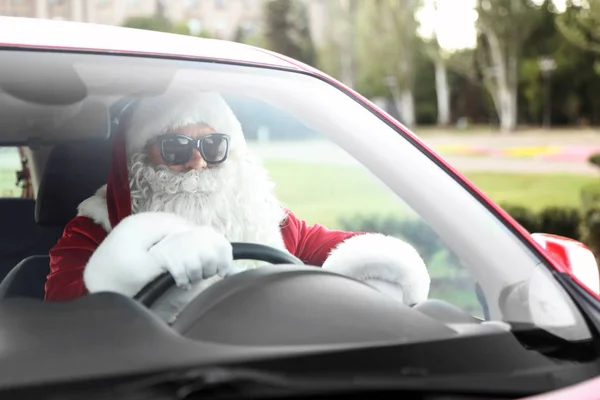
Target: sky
455, 22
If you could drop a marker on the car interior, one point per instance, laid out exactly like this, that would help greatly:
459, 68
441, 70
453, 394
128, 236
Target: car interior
62, 176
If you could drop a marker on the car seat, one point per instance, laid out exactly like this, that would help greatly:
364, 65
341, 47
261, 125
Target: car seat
73, 173
20, 235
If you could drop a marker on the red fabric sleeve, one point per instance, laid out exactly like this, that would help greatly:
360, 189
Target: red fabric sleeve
69, 257
311, 243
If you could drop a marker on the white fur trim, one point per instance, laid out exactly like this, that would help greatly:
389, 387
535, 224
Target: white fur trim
154, 116
123, 263
393, 262
144, 245
95, 208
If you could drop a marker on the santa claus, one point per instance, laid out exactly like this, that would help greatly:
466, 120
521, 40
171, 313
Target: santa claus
182, 186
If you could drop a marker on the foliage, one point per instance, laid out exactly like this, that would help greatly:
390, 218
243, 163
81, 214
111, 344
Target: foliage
156, 23
387, 49
160, 24
504, 26
412, 230
256, 39
590, 224
287, 30
590, 228
562, 221
594, 159
581, 26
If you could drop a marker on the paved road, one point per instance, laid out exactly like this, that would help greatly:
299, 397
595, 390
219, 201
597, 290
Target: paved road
539, 153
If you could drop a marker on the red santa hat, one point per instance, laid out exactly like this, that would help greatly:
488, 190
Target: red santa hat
153, 116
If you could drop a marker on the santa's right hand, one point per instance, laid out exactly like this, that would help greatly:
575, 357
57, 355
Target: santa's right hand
145, 245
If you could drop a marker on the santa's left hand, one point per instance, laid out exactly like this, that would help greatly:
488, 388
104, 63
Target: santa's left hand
193, 255
390, 265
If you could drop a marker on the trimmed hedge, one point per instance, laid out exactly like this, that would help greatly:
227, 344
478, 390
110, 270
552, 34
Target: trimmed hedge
581, 224
594, 159
450, 281
563, 221
412, 230
590, 224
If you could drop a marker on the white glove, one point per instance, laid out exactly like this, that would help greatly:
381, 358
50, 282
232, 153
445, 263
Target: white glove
145, 245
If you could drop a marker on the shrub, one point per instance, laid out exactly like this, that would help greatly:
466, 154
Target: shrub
412, 230
594, 159
590, 229
590, 223
562, 221
524, 216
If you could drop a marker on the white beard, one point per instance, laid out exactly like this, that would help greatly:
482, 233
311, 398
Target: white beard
235, 198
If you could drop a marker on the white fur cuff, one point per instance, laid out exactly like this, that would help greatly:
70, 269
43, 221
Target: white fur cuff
384, 262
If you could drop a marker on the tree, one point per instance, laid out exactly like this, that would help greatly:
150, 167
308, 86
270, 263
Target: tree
337, 55
287, 30
504, 25
156, 23
434, 51
345, 23
581, 24
387, 48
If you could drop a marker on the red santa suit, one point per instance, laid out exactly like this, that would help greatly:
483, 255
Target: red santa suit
387, 263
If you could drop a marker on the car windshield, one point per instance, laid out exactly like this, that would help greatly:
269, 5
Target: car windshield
333, 161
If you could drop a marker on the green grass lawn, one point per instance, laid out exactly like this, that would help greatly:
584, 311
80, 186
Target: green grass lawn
535, 191
324, 194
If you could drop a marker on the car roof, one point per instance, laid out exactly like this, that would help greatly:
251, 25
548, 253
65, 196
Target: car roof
18, 32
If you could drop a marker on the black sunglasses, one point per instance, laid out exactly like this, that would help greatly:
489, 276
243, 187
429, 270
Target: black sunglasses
178, 149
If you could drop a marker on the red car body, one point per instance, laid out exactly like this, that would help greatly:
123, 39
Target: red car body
30, 34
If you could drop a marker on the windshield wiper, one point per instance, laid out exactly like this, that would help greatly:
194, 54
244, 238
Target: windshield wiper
224, 383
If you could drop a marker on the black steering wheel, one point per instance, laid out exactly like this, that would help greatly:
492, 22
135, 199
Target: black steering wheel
241, 251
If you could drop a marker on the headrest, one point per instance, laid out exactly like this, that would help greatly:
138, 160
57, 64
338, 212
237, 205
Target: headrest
73, 173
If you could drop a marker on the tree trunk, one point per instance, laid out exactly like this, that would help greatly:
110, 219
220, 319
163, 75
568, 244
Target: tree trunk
408, 107
507, 111
405, 105
505, 83
443, 93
